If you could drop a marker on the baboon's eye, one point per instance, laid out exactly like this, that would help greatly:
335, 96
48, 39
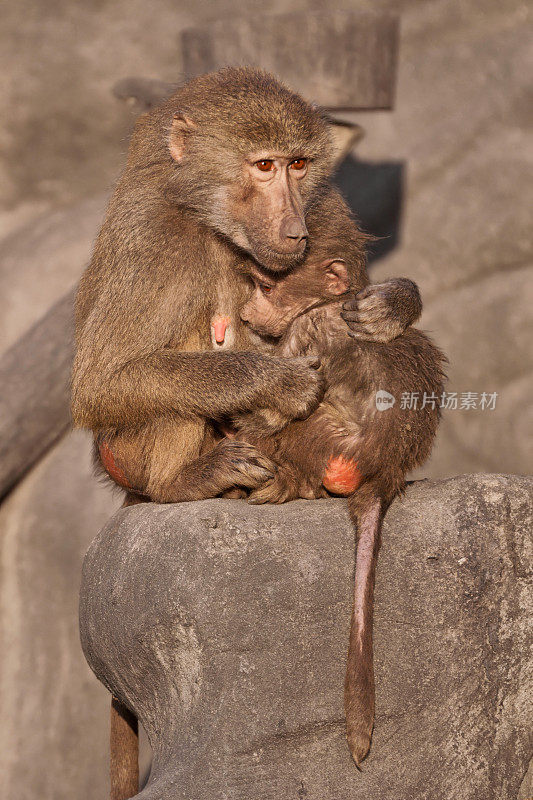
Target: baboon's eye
265, 165
265, 288
298, 163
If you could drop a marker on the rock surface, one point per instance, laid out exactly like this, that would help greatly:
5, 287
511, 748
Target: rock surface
460, 128
224, 627
460, 159
41, 261
55, 716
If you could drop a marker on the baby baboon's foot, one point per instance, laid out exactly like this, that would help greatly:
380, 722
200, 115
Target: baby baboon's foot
234, 494
278, 490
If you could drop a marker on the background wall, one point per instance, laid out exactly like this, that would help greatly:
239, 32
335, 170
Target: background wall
458, 140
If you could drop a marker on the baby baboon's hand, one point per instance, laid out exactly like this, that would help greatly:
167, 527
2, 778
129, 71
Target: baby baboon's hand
282, 488
297, 389
382, 311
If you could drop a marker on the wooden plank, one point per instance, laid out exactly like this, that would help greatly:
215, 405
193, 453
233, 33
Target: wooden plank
35, 392
340, 60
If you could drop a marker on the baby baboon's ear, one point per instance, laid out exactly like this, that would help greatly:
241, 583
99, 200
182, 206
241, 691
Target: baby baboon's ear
336, 277
179, 133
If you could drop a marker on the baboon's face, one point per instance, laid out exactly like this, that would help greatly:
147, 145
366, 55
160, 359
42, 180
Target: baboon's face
270, 310
256, 200
267, 208
251, 158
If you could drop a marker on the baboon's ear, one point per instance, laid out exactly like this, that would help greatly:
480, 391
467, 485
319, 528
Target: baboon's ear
179, 132
344, 136
336, 277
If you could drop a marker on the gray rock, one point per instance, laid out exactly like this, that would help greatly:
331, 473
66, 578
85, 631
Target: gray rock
489, 349
55, 716
41, 261
460, 127
224, 627
526, 787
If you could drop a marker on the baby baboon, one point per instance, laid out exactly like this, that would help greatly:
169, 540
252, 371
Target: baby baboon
351, 445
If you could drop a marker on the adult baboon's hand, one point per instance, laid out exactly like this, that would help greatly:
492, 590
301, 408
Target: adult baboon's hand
297, 389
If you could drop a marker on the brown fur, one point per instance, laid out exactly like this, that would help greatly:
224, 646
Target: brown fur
144, 376
304, 308
145, 379
185, 215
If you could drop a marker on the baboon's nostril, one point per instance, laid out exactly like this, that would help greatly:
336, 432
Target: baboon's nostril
293, 228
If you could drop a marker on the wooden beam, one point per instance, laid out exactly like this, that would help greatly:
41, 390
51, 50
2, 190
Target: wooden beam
34, 392
340, 60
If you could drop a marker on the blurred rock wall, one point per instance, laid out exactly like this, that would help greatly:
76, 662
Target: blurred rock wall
459, 133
